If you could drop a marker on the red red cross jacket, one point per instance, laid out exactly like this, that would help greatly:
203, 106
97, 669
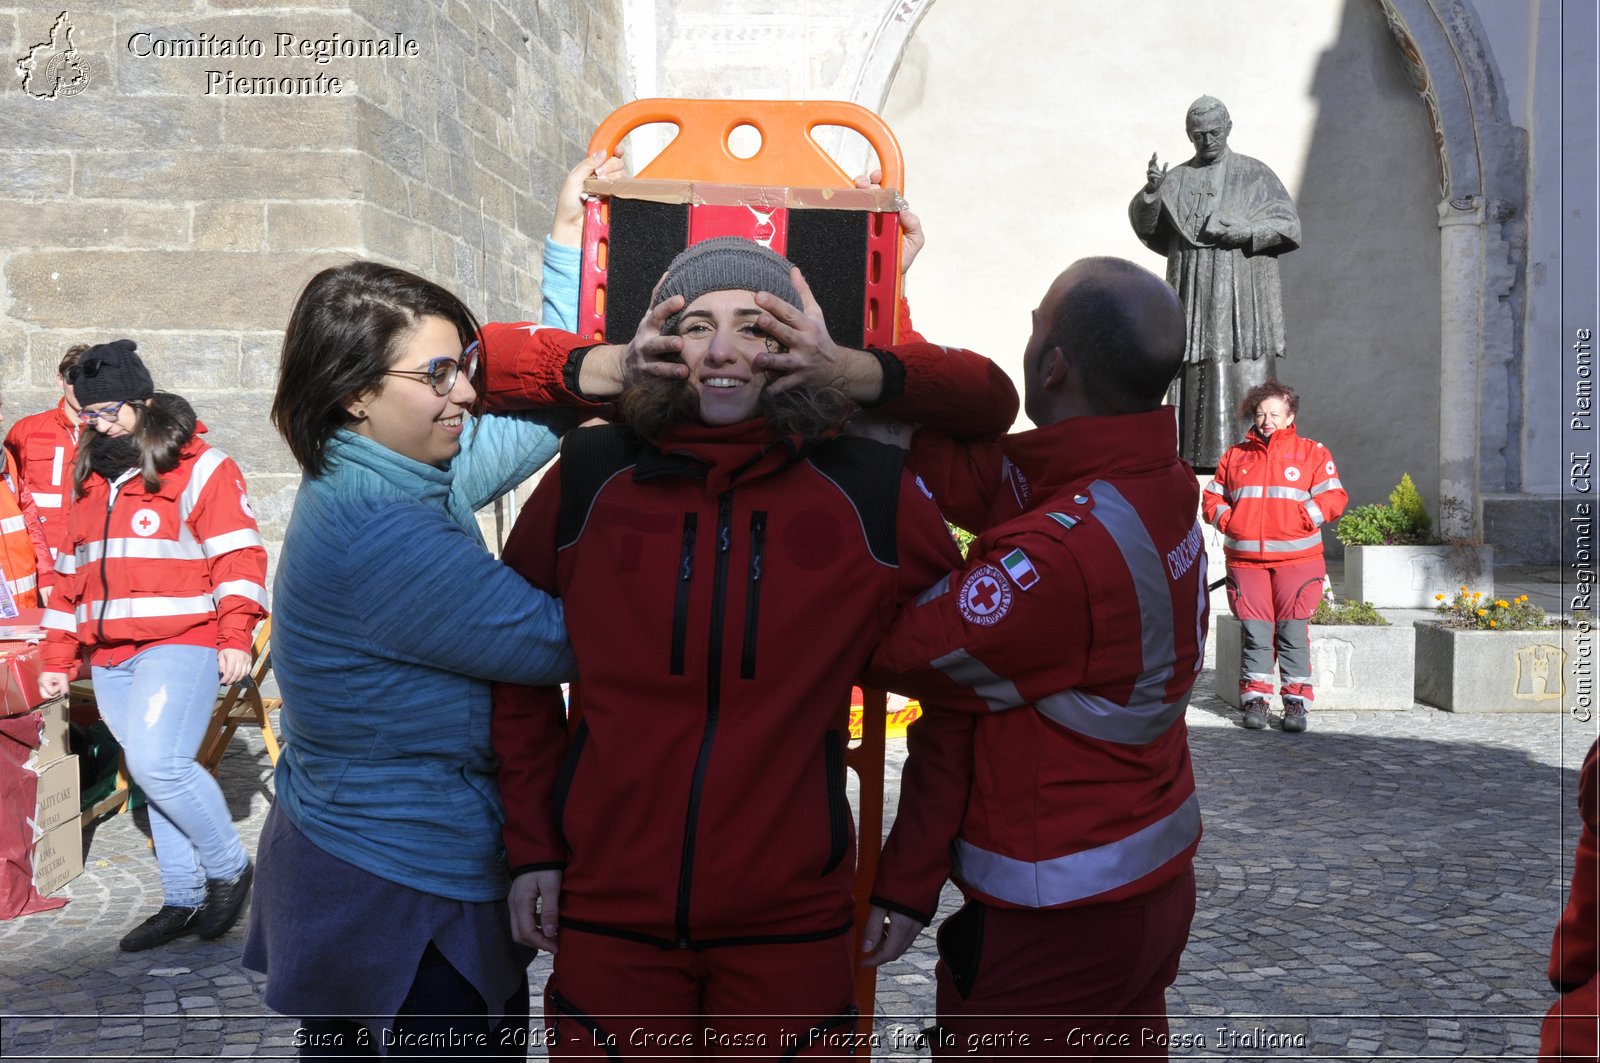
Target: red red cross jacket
1069, 642
1569, 1030
25, 561
183, 564
1270, 498
44, 446
722, 591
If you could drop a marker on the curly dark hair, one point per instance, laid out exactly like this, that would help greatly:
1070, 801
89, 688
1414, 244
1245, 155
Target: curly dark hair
650, 405
1271, 389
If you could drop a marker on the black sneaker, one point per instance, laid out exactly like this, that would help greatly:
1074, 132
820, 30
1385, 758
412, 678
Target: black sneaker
225, 899
169, 924
1255, 714
1295, 717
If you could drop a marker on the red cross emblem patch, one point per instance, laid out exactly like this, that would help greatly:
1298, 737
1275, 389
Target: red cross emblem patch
985, 595
146, 522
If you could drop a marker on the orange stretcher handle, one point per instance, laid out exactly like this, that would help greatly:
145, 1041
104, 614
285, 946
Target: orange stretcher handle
789, 155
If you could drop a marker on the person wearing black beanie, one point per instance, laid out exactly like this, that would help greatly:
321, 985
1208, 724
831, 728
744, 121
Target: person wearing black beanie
161, 582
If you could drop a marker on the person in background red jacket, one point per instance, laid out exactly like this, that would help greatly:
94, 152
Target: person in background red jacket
1569, 1030
1270, 497
26, 568
44, 446
1050, 775
161, 584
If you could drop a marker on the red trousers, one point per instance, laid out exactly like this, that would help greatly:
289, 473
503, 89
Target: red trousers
610, 998
1274, 606
1075, 983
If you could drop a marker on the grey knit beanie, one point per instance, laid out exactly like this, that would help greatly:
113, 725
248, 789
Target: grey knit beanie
110, 372
724, 263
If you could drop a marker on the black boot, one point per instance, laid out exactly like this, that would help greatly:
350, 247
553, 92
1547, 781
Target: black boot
225, 899
1295, 717
168, 924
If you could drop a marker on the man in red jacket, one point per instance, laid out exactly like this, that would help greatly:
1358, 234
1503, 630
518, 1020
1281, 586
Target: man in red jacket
44, 445
1068, 644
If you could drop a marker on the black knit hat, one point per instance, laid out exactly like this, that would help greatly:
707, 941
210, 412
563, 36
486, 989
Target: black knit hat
110, 372
724, 263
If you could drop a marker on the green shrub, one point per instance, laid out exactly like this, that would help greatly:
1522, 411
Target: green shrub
1348, 612
1407, 501
1403, 522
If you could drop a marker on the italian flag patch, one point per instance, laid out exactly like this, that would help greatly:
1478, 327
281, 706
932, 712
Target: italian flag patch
1020, 569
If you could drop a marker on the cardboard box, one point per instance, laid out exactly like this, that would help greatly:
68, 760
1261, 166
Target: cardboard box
58, 857
54, 737
20, 665
58, 795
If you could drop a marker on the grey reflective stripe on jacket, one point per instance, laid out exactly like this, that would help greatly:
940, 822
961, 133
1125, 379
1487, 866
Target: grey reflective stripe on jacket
1272, 546
1147, 713
1076, 876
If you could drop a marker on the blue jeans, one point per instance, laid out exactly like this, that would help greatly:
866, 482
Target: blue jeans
157, 704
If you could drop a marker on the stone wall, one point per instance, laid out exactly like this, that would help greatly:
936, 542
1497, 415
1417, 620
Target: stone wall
159, 201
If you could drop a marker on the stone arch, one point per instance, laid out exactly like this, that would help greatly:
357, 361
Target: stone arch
1480, 157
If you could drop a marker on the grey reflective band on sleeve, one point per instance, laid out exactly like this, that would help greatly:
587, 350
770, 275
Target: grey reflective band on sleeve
1328, 485
936, 590
1316, 513
998, 692
1076, 876
1217, 489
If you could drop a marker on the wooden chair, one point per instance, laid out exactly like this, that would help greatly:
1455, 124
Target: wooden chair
243, 704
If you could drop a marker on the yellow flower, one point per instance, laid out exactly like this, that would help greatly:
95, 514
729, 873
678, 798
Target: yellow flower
1494, 623
1476, 595
1438, 597
1501, 603
1463, 588
1483, 612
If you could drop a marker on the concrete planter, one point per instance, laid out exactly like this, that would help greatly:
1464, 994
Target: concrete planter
1493, 671
1352, 667
1407, 577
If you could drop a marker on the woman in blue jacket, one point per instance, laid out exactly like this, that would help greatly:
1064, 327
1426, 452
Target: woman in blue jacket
380, 894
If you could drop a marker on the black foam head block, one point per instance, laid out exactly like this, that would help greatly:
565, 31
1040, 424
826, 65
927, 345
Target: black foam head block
829, 246
644, 239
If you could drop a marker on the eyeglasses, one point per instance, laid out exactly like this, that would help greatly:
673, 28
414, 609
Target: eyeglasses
104, 413
442, 373
87, 368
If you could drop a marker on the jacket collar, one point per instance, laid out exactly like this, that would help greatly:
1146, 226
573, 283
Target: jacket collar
356, 461
1251, 439
1082, 448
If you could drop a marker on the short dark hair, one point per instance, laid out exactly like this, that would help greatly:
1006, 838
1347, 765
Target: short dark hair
341, 339
1271, 389
1127, 355
70, 359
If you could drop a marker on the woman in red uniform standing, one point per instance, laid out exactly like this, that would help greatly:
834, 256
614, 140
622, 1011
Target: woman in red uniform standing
697, 832
160, 582
1270, 497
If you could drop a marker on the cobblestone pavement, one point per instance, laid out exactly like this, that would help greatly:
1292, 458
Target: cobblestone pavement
1382, 886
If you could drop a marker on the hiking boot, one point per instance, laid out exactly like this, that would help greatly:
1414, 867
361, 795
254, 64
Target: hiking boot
224, 901
168, 924
1255, 714
1295, 717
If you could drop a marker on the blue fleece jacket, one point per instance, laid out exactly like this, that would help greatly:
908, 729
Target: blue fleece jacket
390, 622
